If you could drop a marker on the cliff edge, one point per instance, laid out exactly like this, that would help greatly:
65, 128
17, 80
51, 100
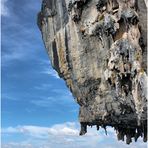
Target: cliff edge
99, 47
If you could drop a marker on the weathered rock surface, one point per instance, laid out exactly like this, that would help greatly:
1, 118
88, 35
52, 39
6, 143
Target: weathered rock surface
99, 48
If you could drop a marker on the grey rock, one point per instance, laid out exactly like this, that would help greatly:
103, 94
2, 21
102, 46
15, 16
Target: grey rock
99, 48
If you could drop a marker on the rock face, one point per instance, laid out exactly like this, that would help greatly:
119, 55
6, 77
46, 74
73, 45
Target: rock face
99, 48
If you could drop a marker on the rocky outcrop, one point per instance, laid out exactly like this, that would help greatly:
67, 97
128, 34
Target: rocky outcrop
99, 48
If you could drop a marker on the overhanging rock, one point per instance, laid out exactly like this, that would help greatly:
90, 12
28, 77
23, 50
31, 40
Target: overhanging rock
99, 48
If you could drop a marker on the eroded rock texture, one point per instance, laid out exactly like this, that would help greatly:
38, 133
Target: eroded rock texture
99, 48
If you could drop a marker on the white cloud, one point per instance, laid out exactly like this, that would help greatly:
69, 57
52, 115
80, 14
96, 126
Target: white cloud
43, 86
10, 130
17, 46
65, 129
17, 53
65, 135
17, 145
13, 56
4, 8
48, 69
8, 97
51, 72
61, 97
43, 102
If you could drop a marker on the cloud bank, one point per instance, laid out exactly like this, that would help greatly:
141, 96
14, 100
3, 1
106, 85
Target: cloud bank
64, 135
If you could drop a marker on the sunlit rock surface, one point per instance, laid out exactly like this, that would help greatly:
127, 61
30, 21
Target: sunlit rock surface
99, 48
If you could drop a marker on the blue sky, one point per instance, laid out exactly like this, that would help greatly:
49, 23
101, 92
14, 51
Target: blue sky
38, 111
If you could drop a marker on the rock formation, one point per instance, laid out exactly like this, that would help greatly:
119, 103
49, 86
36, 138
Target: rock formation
99, 47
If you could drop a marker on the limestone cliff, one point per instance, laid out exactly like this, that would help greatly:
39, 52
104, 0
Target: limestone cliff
99, 47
